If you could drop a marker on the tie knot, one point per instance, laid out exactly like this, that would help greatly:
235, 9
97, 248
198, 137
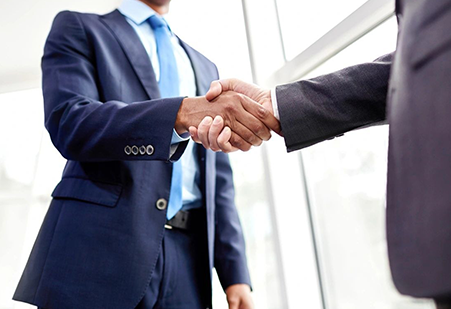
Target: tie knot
157, 22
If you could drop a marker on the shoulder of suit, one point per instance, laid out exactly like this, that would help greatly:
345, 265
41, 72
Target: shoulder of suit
67, 15
86, 21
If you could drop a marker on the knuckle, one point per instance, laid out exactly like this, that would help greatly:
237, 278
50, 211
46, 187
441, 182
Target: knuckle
236, 142
262, 112
250, 137
261, 130
236, 95
215, 148
226, 148
243, 146
229, 107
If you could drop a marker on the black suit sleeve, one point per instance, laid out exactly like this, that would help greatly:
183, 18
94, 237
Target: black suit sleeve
327, 106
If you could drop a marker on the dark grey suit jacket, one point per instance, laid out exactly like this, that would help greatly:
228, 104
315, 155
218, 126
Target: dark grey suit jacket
411, 89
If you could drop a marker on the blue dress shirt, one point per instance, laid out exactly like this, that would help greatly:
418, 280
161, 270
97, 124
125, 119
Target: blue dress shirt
137, 13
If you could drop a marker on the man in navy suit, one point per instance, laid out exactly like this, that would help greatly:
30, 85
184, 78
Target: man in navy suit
141, 216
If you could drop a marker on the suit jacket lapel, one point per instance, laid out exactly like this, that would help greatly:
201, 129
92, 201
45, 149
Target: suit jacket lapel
201, 71
136, 54
203, 80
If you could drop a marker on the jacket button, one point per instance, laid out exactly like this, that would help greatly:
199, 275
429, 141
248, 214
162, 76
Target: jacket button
135, 150
142, 150
150, 150
128, 150
162, 204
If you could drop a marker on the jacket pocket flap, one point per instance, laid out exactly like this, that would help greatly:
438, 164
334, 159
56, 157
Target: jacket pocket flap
88, 191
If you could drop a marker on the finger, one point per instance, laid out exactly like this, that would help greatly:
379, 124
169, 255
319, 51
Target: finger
251, 90
229, 84
240, 121
246, 134
238, 142
250, 122
246, 303
214, 91
219, 86
223, 141
202, 131
234, 304
263, 115
215, 130
194, 135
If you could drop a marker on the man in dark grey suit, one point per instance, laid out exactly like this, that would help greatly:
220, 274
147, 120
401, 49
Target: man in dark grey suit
411, 89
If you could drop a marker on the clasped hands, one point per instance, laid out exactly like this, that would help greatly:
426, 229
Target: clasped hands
234, 115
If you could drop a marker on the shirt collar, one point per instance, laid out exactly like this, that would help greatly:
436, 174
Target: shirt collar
136, 11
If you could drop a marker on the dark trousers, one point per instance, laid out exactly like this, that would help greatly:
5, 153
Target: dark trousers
181, 279
443, 304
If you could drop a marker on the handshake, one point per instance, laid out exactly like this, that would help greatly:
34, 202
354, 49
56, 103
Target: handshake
233, 115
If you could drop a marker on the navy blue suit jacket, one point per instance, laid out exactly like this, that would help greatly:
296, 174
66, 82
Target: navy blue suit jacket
100, 239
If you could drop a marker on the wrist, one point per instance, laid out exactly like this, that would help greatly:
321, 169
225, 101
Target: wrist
182, 121
239, 287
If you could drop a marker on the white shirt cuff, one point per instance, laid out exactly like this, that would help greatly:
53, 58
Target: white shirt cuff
275, 106
176, 138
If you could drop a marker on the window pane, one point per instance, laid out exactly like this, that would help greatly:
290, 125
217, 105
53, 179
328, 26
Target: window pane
252, 200
304, 22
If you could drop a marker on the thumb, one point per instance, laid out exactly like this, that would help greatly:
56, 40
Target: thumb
194, 135
224, 141
229, 84
214, 91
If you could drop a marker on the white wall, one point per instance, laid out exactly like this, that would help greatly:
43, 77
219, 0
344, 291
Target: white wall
24, 25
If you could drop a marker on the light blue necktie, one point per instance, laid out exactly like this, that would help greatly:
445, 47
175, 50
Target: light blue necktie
169, 87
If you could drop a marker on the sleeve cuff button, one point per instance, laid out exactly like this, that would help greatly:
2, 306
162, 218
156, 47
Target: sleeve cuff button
150, 150
135, 150
128, 150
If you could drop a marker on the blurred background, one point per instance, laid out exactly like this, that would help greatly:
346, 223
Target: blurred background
313, 220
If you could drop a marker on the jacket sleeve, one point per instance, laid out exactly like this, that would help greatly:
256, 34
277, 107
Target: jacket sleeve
230, 251
82, 127
330, 105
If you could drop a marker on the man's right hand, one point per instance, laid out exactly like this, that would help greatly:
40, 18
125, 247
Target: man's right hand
249, 122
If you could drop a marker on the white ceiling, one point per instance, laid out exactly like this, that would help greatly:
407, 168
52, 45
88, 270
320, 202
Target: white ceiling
24, 25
